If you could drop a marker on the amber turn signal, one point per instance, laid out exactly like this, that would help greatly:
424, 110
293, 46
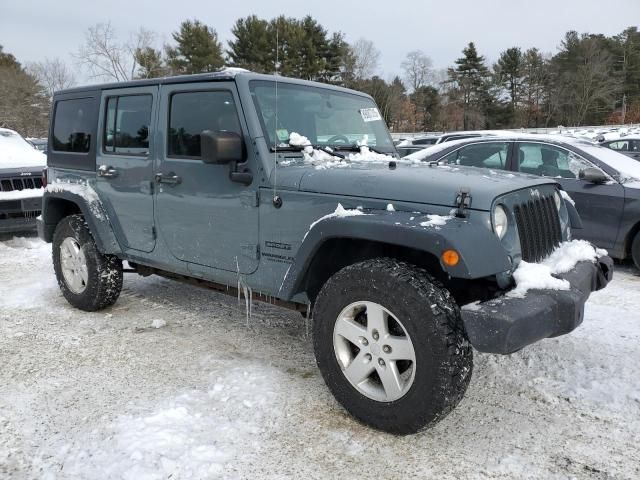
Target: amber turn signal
450, 258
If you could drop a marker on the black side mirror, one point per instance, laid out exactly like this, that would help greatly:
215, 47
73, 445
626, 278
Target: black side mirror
226, 147
593, 175
221, 147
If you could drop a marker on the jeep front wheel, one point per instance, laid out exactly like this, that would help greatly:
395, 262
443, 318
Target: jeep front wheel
390, 345
88, 279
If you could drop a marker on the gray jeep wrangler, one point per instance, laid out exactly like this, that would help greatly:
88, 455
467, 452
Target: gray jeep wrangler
241, 181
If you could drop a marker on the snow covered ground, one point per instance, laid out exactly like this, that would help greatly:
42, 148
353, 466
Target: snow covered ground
171, 383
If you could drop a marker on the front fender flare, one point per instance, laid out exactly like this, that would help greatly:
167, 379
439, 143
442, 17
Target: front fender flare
481, 254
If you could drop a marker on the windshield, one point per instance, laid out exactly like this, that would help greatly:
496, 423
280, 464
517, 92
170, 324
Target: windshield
628, 168
326, 117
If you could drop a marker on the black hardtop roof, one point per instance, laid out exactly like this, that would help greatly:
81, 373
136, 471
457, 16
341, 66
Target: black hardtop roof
224, 74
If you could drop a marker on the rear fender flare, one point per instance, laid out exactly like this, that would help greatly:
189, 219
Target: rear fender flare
93, 212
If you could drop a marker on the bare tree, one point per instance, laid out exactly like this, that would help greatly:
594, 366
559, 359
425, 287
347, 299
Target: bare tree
54, 74
366, 58
417, 69
107, 58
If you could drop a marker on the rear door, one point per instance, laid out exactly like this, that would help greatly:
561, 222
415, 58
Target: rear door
124, 159
204, 218
600, 206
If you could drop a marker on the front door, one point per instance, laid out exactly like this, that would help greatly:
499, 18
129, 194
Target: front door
600, 206
203, 217
124, 169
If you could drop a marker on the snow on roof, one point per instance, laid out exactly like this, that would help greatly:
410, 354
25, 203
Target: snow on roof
16, 152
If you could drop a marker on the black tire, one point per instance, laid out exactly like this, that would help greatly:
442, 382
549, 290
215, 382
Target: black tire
635, 250
104, 272
431, 318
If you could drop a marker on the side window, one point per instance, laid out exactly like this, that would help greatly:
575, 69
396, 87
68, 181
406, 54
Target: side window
620, 146
549, 161
575, 164
193, 112
484, 155
72, 125
127, 123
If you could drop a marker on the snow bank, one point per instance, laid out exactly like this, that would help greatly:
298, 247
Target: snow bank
540, 276
16, 152
197, 434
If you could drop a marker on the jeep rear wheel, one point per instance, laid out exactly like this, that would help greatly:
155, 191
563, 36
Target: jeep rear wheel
88, 279
390, 345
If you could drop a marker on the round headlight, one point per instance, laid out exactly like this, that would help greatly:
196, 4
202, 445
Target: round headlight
558, 200
500, 221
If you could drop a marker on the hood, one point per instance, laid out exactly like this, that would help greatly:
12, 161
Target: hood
414, 183
16, 153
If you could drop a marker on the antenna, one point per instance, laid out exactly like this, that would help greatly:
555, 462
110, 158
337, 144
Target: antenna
277, 202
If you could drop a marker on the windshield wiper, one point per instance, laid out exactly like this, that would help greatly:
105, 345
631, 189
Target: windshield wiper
354, 147
299, 148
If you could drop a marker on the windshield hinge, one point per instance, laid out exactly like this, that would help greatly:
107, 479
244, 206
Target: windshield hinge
463, 202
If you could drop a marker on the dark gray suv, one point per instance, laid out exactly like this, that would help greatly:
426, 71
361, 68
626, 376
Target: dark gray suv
245, 182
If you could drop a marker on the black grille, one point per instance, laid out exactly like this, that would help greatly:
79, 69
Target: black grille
20, 183
539, 228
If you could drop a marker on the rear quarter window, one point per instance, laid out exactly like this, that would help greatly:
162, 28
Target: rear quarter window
73, 132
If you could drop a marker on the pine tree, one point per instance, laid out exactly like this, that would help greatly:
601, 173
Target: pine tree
149, 62
509, 74
253, 46
470, 79
197, 50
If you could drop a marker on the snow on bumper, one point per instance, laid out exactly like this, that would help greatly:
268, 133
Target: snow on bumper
509, 323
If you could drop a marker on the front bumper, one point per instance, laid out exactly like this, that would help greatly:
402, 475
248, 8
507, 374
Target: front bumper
507, 324
19, 215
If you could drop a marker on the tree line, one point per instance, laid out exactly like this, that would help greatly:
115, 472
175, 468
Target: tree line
591, 79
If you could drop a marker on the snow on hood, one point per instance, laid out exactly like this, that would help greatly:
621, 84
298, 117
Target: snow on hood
16, 152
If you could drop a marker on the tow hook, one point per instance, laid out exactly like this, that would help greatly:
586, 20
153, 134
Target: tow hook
463, 201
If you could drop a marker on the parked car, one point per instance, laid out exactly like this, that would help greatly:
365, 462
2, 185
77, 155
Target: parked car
20, 182
410, 145
39, 144
604, 184
451, 136
627, 145
248, 182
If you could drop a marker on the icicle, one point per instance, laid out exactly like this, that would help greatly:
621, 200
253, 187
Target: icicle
306, 320
238, 274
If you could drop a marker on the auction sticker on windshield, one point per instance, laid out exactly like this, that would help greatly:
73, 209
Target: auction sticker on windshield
370, 114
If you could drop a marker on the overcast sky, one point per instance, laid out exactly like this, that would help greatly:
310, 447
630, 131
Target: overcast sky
33, 30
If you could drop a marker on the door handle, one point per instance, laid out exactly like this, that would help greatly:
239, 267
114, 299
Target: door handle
107, 171
169, 178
